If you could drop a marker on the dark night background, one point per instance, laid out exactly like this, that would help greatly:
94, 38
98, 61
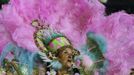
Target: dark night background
111, 5
118, 5
3, 2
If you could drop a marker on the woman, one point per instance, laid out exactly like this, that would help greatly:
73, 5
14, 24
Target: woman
57, 48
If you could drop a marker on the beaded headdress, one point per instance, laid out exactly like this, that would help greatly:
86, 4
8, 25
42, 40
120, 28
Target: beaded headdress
52, 39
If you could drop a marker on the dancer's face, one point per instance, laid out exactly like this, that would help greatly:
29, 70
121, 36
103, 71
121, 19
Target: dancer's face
66, 57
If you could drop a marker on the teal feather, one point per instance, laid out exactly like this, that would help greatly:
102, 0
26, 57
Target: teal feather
22, 55
8, 48
56, 65
96, 53
85, 50
99, 39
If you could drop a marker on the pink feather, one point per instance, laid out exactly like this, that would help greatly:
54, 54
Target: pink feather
118, 29
74, 18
